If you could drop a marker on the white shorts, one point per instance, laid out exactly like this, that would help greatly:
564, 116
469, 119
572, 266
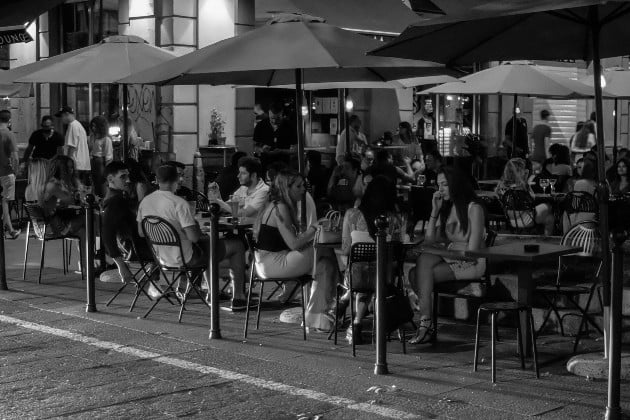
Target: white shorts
8, 187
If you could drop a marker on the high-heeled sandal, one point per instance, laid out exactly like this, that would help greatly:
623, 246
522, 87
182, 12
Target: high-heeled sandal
424, 334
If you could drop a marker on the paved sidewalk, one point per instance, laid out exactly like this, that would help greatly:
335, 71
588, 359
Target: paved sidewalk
56, 360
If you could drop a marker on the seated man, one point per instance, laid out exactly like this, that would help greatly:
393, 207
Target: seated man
253, 192
118, 220
183, 191
195, 245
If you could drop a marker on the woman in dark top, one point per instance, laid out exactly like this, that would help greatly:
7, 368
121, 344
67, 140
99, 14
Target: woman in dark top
620, 182
283, 251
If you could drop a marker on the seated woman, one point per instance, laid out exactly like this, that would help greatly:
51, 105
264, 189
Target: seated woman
60, 193
414, 167
458, 218
359, 226
515, 177
405, 137
577, 174
344, 185
620, 183
282, 251
37, 178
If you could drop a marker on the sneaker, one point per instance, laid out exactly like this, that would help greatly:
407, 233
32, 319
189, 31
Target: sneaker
238, 305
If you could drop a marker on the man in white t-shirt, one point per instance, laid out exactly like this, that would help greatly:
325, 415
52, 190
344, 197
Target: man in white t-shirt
195, 245
253, 192
76, 145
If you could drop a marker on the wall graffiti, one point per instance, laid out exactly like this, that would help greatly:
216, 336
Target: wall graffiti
150, 123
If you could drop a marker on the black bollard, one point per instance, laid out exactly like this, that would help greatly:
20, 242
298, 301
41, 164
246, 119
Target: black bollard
3, 271
89, 253
613, 408
213, 265
380, 367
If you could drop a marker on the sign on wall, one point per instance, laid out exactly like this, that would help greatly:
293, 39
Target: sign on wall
14, 36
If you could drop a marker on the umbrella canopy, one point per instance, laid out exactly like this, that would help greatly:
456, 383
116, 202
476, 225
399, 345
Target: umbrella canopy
517, 79
544, 35
106, 62
617, 83
392, 84
269, 56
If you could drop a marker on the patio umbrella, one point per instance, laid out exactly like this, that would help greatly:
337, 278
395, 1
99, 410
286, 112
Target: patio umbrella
391, 84
516, 80
290, 50
111, 59
618, 84
586, 33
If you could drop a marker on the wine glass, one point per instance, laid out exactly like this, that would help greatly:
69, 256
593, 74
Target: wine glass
544, 183
552, 183
421, 179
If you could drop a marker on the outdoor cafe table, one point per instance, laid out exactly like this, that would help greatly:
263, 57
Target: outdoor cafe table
525, 264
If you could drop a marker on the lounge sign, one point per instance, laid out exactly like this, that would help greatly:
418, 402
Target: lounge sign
15, 36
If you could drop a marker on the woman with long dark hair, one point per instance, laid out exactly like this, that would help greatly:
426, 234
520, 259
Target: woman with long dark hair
620, 184
359, 225
457, 218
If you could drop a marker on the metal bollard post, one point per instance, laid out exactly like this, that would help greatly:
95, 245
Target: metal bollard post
380, 367
215, 328
89, 253
3, 272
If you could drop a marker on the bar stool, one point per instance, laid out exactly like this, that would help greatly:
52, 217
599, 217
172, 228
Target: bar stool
495, 308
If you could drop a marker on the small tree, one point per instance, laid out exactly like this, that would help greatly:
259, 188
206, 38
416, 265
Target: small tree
217, 126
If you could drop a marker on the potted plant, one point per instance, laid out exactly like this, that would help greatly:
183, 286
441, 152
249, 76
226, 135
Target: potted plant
217, 126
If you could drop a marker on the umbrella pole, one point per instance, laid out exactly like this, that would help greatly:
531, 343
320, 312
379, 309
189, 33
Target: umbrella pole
346, 121
615, 140
300, 139
514, 125
125, 136
613, 409
90, 102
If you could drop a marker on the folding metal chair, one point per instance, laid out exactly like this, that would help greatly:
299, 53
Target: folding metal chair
159, 232
38, 221
572, 274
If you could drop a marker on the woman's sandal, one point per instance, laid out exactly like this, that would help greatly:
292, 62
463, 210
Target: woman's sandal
424, 334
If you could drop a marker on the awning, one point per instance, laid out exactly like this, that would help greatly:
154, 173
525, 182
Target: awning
373, 16
16, 15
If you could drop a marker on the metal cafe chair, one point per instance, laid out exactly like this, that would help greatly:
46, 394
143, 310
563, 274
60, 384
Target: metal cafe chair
203, 203
578, 275
142, 276
579, 202
159, 232
519, 209
38, 221
254, 277
455, 289
365, 253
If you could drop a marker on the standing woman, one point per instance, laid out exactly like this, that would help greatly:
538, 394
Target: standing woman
101, 152
457, 218
405, 137
282, 251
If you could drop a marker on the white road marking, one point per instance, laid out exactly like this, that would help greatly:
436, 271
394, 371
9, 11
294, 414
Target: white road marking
222, 373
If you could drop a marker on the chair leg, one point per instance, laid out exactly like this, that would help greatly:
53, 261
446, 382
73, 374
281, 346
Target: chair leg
436, 298
494, 362
184, 299
262, 287
41, 262
26, 243
477, 341
249, 299
401, 334
63, 257
303, 313
534, 350
519, 343
353, 331
116, 295
335, 322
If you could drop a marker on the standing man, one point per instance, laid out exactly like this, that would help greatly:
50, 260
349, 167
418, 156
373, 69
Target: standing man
518, 146
44, 142
76, 145
8, 163
358, 141
275, 132
541, 135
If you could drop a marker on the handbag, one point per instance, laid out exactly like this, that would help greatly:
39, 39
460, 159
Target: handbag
398, 309
329, 228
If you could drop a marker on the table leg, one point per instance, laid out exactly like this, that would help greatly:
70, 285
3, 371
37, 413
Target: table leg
525, 295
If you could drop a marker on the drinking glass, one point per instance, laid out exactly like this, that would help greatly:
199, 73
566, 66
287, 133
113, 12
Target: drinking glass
421, 179
552, 183
234, 204
544, 183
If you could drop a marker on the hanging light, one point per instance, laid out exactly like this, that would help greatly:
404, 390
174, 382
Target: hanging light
349, 104
304, 110
449, 97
